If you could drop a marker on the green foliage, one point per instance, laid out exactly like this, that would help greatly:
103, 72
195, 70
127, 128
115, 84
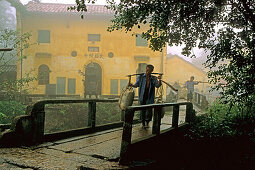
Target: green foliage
18, 42
236, 76
15, 40
14, 88
9, 110
223, 121
173, 22
81, 7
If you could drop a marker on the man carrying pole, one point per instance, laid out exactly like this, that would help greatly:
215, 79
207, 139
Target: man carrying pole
147, 84
190, 87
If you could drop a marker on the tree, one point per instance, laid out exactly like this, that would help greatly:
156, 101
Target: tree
225, 28
18, 42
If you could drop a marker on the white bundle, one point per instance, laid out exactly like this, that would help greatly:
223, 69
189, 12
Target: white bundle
126, 98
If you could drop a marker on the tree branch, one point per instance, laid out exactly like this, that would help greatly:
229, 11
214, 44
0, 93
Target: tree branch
248, 14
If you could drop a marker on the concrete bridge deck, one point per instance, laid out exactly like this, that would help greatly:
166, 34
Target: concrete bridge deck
99, 150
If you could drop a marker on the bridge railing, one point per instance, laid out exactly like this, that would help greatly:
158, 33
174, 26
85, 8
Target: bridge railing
92, 126
29, 128
129, 117
200, 100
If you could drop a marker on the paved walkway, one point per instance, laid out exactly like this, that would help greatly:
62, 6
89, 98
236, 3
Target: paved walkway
97, 151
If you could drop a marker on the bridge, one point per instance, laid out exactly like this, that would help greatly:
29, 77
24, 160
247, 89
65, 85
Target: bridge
25, 145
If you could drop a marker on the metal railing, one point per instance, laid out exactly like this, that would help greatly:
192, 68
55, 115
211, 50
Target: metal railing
29, 128
200, 100
39, 112
129, 116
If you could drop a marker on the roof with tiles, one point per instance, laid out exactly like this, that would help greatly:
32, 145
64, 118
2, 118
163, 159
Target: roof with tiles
62, 8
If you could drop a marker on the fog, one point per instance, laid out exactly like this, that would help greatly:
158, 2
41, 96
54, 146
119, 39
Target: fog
54, 54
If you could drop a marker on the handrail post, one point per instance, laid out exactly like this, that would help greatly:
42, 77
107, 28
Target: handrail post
157, 120
175, 118
92, 114
190, 114
126, 136
195, 97
38, 120
204, 103
198, 100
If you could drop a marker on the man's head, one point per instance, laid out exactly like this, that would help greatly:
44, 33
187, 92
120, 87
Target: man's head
192, 78
149, 69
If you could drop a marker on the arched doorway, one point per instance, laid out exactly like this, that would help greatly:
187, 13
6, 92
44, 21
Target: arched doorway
93, 80
43, 74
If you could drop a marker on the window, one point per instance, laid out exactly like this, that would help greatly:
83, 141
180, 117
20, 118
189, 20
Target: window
114, 86
43, 74
71, 86
123, 84
43, 36
141, 68
141, 41
61, 85
110, 54
74, 53
93, 49
93, 37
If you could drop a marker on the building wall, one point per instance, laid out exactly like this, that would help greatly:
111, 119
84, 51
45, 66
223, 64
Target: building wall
178, 70
70, 33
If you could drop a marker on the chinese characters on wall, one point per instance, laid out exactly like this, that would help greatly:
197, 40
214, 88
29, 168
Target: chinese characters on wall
94, 55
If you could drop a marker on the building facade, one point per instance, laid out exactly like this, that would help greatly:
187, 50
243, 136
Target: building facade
79, 56
182, 70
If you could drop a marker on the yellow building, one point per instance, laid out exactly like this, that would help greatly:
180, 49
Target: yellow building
78, 56
178, 71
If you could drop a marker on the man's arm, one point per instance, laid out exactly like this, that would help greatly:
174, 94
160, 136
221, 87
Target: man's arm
197, 82
157, 81
136, 82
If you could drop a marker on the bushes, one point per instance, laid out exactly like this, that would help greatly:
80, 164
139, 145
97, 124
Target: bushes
9, 110
224, 121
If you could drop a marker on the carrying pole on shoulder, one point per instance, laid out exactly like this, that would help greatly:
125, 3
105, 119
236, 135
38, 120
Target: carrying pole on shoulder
175, 91
142, 74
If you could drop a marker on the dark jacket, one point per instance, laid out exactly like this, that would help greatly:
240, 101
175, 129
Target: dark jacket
141, 83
